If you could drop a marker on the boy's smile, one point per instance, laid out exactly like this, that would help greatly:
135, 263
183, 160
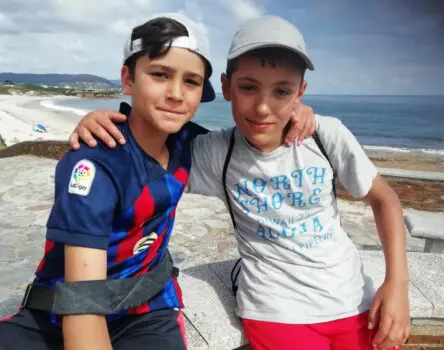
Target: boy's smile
259, 126
263, 97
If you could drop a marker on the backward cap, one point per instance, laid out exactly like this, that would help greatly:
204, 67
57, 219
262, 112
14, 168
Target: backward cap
197, 42
195, 32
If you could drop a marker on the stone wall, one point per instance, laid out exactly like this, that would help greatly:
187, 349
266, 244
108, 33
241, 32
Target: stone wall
45, 149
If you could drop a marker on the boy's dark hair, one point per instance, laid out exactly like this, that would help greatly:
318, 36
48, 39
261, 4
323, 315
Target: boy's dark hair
271, 56
155, 34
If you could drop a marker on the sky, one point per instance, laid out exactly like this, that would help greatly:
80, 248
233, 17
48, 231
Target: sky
358, 46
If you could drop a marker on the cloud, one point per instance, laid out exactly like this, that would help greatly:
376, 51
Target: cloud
384, 73
7, 26
41, 16
358, 47
87, 36
82, 36
243, 10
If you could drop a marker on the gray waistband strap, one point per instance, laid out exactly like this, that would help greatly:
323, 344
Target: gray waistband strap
110, 296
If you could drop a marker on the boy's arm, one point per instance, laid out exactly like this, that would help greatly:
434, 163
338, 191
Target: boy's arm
390, 309
85, 331
388, 215
100, 124
81, 219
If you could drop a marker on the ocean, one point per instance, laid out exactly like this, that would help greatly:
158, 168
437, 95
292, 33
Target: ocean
406, 124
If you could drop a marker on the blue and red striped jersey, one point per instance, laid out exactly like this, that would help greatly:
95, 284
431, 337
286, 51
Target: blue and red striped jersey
123, 201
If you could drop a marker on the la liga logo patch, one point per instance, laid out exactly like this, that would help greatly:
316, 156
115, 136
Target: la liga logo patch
82, 177
82, 173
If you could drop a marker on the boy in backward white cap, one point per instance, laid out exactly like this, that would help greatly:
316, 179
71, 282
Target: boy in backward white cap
106, 280
301, 284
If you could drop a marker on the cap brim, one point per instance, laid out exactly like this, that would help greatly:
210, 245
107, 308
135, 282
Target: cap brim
208, 93
248, 48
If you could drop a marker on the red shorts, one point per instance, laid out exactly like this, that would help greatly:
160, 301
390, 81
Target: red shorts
344, 334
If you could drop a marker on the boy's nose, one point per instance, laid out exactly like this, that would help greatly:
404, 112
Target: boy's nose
175, 91
263, 109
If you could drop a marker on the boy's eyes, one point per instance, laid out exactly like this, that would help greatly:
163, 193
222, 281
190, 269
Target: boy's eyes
192, 82
278, 92
282, 92
165, 76
247, 87
159, 74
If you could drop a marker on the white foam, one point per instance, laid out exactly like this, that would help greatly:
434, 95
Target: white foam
387, 149
51, 105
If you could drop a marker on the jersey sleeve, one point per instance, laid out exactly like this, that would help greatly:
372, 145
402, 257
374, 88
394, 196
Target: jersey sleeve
354, 169
195, 130
84, 205
208, 157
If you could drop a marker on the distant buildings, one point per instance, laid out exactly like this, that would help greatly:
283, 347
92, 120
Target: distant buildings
79, 88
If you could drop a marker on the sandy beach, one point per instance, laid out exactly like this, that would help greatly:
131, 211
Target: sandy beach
18, 113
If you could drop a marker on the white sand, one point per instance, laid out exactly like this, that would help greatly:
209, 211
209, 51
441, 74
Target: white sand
18, 113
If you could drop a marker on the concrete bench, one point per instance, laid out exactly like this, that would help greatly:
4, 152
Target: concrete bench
209, 303
429, 226
26, 191
212, 324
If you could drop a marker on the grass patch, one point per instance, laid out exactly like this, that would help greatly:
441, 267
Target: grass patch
4, 90
2, 142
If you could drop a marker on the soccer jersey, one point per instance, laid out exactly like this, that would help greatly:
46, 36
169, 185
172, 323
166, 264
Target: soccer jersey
123, 201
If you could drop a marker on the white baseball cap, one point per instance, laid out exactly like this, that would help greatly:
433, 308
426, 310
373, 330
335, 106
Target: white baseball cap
196, 41
269, 31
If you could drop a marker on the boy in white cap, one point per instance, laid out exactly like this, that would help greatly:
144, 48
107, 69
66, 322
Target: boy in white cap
301, 284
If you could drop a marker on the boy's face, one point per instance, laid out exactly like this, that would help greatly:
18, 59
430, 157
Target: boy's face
263, 99
166, 90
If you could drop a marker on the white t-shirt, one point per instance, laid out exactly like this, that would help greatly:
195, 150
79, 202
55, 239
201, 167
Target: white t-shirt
298, 264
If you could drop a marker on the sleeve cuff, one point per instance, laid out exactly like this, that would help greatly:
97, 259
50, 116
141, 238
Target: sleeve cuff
77, 239
362, 191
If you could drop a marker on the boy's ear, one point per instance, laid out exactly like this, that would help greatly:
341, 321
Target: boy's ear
302, 89
225, 87
127, 82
